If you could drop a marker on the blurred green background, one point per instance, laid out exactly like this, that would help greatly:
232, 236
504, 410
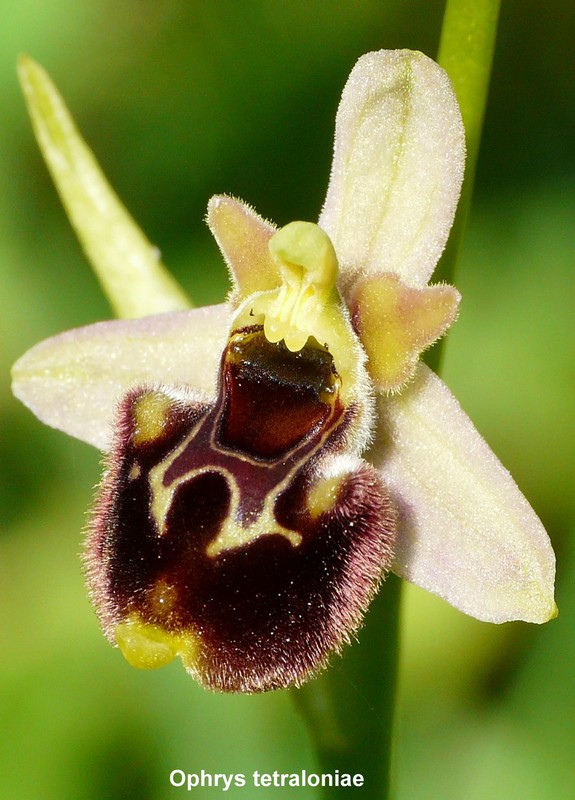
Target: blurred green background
180, 100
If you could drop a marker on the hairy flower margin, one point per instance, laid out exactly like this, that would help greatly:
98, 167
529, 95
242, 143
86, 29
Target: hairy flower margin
313, 359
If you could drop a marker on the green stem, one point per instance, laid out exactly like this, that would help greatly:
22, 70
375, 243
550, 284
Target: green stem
350, 708
466, 53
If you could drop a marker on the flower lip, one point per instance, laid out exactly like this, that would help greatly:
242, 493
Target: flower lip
241, 534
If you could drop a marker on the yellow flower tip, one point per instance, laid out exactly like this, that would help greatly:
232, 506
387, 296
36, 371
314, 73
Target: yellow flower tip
148, 646
554, 612
396, 323
307, 264
144, 646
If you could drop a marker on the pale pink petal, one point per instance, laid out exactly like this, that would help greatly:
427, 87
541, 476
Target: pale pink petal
73, 381
243, 237
466, 532
397, 168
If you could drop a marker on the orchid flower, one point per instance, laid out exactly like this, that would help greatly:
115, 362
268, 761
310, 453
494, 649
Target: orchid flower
269, 459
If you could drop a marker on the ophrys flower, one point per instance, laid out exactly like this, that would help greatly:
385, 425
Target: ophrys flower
240, 523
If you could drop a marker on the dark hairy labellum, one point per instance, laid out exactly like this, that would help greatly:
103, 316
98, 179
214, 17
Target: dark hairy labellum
239, 534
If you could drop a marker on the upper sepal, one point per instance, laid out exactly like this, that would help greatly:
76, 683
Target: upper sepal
397, 169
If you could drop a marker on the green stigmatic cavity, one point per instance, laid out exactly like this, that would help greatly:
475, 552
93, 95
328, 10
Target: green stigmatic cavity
245, 535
